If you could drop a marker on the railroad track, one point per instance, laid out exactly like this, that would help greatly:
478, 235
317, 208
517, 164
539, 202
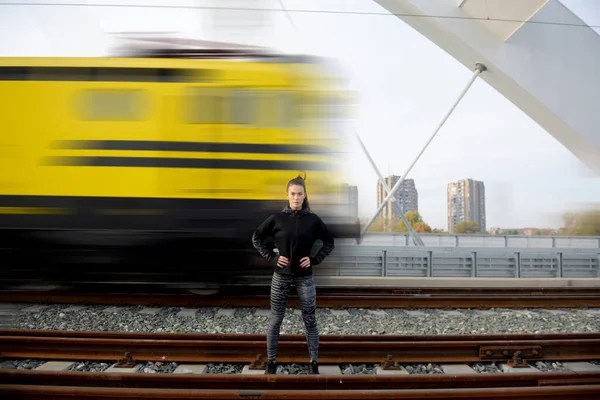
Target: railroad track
125, 350
356, 297
184, 347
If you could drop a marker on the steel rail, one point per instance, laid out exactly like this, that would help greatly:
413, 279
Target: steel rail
395, 299
291, 382
389, 350
293, 337
332, 290
22, 392
239, 348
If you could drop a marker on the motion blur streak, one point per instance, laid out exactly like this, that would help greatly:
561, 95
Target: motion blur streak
157, 156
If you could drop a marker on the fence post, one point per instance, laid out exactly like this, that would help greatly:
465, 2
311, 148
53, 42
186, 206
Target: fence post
430, 264
474, 269
560, 272
518, 269
384, 264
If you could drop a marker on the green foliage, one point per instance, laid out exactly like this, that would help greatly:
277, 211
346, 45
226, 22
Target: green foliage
416, 222
583, 223
378, 225
467, 227
382, 224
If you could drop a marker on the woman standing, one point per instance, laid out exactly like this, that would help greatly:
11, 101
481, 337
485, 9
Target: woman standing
295, 230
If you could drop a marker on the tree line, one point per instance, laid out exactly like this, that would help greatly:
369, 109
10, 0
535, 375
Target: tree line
382, 224
582, 223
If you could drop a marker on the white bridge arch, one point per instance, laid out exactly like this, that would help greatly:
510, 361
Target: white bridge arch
547, 70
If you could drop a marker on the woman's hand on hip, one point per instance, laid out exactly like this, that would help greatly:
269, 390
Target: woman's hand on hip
305, 262
282, 262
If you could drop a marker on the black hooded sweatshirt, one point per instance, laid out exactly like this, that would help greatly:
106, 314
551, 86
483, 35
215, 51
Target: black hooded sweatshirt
295, 233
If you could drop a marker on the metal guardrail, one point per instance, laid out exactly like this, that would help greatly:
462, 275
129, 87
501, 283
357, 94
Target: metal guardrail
509, 262
485, 241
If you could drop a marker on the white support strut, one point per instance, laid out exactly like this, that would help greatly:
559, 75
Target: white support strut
479, 68
416, 238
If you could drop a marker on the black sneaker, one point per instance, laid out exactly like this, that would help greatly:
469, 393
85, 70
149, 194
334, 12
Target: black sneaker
271, 368
314, 367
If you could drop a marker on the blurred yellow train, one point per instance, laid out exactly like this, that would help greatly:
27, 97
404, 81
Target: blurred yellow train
199, 146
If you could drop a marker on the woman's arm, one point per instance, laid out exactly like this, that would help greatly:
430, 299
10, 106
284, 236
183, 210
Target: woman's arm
263, 231
328, 244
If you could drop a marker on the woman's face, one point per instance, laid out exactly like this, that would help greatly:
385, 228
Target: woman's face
296, 196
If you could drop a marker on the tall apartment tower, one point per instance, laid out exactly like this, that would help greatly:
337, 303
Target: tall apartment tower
466, 202
406, 195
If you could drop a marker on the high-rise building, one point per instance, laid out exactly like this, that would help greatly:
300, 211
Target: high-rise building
406, 195
466, 202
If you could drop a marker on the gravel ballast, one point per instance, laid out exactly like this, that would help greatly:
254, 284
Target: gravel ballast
208, 320
486, 368
21, 364
158, 367
293, 369
282, 369
90, 366
357, 321
214, 368
364, 369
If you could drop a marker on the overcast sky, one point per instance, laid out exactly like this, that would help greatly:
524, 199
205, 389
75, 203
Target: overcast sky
405, 82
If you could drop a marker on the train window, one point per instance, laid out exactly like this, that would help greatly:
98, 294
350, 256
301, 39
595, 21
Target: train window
304, 110
268, 107
205, 106
287, 110
264, 109
242, 107
112, 105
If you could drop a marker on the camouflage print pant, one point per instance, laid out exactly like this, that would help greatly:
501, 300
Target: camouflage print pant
307, 295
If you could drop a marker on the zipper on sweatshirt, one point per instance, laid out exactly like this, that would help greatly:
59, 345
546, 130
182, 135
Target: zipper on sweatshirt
296, 217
